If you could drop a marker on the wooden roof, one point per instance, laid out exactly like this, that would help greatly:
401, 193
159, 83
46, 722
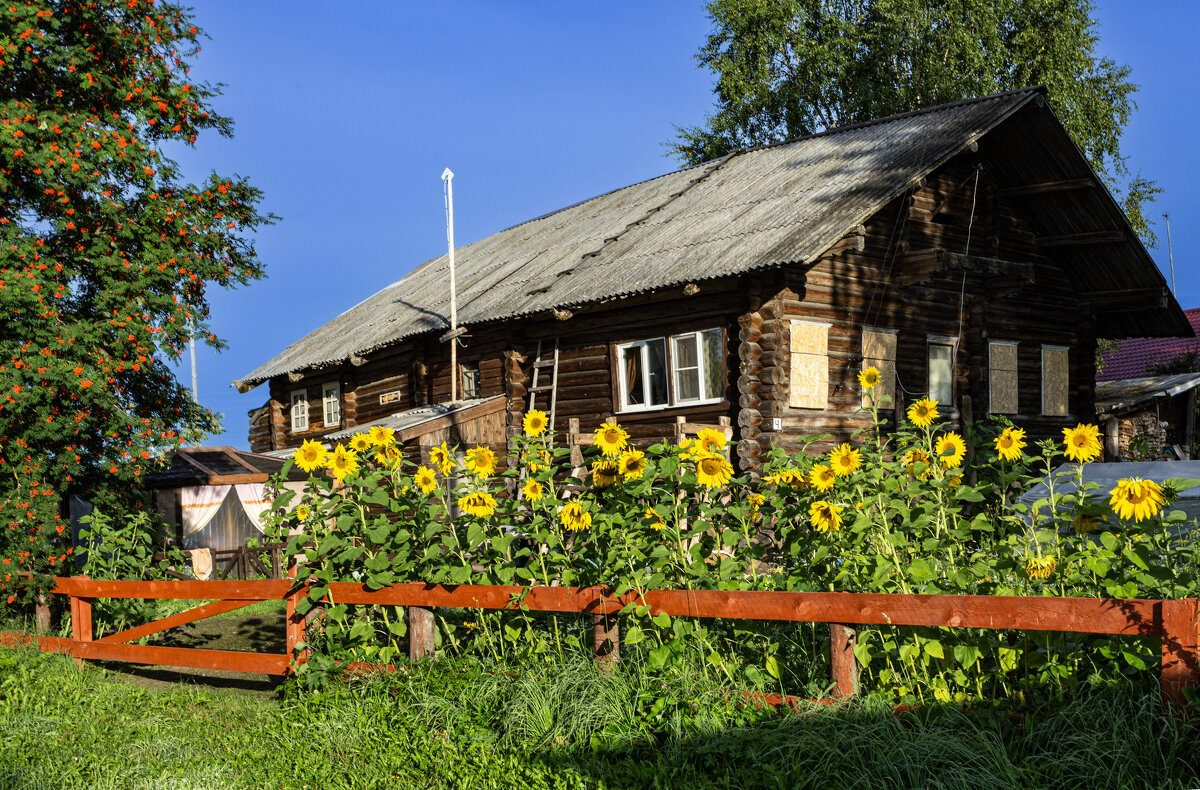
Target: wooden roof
213, 466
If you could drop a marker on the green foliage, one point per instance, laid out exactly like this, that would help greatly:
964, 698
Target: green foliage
106, 254
793, 68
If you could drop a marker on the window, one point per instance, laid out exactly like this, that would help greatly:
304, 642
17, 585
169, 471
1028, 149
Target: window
299, 411
1055, 375
332, 406
879, 351
469, 378
941, 372
1002, 377
809, 385
687, 368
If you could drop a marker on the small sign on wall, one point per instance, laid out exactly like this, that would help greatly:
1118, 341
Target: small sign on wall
390, 397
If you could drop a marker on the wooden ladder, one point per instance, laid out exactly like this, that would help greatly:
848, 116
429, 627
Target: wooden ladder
552, 387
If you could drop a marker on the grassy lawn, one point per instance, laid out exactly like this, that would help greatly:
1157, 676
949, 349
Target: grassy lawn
465, 725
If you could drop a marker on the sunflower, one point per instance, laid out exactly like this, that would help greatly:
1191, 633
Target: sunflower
713, 471
1137, 499
388, 455
756, 501
923, 412
573, 517
611, 439
1084, 524
869, 378
537, 460
825, 516
915, 457
787, 477
381, 437
845, 460
480, 461
710, 441
478, 503
341, 462
1010, 443
822, 477
426, 479
950, 449
687, 449
360, 442
604, 472
534, 422
1039, 567
1082, 442
302, 512
310, 455
632, 464
656, 521
532, 490
440, 457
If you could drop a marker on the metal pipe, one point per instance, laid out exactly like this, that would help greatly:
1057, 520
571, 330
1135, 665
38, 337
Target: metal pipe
447, 179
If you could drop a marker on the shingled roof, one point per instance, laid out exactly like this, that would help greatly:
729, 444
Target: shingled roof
1134, 356
764, 207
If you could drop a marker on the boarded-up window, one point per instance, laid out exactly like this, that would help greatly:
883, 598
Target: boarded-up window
879, 351
810, 365
1055, 381
1002, 378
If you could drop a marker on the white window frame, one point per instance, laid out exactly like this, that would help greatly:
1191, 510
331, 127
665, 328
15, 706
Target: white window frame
331, 393
299, 398
952, 344
670, 370
992, 372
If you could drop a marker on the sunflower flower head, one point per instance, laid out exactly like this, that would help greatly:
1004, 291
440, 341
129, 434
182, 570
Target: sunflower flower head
310, 455
656, 521
534, 422
709, 440
426, 479
869, 379
441, 458
825, 516
611, 438
479, 504
822, 477
388, 455
360, 442
341, 462
756, 501
1137, 499
533, 491
950, 450
632, 464
923, 412
604, 472
1039, 567
573, 517
713, 470
381, 437
480, 461
1082, 443
1010, 443
915, 458
302, 513
845, 460
537, 460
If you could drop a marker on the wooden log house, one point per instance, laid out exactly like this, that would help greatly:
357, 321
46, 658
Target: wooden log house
967, 251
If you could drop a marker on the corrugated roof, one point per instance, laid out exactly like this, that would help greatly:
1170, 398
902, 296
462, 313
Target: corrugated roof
1115, 396
1133, 356
782, 203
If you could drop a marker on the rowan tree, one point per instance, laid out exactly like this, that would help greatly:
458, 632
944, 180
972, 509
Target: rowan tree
106, 256
788, 68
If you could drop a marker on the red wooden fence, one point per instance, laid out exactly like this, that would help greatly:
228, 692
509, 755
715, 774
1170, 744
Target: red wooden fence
1175, 623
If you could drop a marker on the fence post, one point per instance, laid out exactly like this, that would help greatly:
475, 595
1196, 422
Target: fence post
420, 632
41, 614
606, 635
295, 622
1180, 649
842, 668
81, 620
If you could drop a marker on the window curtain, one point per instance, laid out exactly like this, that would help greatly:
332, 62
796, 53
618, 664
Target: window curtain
199, 504
255, 501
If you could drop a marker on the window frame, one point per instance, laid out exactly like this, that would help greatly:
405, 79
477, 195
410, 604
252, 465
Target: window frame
947, 342
336, 388
616, 352
471, 366
295, 397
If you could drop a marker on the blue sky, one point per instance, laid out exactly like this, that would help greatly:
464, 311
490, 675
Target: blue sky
346, 118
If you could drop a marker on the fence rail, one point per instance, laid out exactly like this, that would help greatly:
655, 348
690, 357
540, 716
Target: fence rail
1175, 622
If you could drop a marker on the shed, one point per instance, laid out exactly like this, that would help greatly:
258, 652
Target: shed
1147, 419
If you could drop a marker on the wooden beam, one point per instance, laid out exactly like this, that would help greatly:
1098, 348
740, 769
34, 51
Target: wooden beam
1046, 187
920, 266
1126, 300
174, 621
1078, 239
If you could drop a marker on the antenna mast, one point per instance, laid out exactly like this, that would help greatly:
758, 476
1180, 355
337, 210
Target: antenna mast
1170, 253
452, 335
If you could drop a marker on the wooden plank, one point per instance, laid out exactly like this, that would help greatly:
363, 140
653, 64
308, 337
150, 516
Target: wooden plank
183, 618
1046, 187
258, 590
1180, 649
1076, 239
1126, 300
230, 660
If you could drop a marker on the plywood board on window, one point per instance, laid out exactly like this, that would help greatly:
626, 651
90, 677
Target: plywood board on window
1055, 375
1002, 378
810, 338
809, 381
879, 345
879, 351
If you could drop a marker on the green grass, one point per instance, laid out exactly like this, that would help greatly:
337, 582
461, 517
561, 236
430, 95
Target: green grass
459, 724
